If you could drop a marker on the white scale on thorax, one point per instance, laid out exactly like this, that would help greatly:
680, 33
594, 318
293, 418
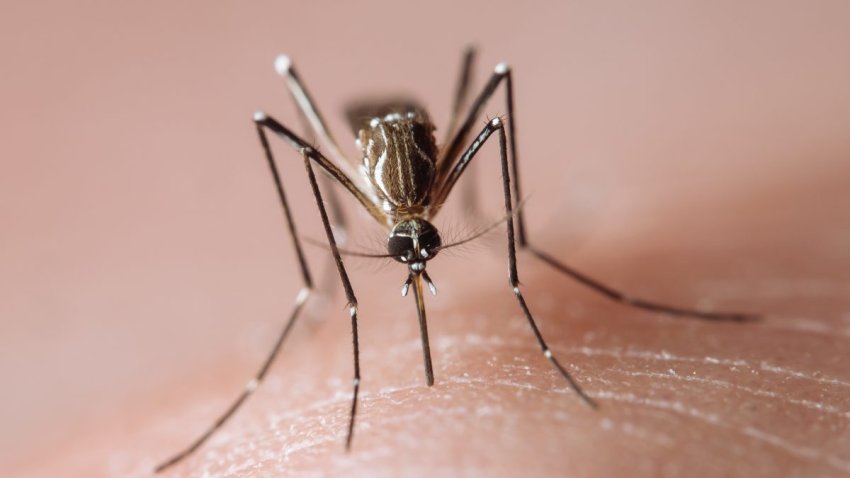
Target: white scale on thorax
378, 173
366, 171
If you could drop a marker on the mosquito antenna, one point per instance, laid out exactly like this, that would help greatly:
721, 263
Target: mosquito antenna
484, 231
364, 254
474, 236
347, 252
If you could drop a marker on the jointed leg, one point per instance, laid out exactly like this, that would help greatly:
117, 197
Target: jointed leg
622, 298
459, 139
461, 90
496, 125
310, 131
326, 165
450, 173
285, 68
336, 212
514, 275
346, 284
310, 156
339, 224
300, 301
469, 189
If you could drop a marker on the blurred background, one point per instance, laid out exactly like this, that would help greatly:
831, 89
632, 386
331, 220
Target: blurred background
140, 240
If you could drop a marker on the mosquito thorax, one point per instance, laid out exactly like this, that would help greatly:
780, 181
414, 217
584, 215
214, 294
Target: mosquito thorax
414, 242
399, 158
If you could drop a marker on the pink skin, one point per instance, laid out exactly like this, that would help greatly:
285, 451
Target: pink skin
674, 393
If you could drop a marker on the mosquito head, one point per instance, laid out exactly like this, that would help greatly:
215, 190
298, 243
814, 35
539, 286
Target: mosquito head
414, 242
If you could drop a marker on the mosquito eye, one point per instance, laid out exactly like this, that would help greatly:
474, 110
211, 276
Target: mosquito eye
430, 242
400, 248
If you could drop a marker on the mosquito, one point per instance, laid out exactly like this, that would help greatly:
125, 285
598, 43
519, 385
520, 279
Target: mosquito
402, 181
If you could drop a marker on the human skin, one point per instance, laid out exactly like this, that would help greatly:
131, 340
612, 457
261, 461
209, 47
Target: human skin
677, 396
690, 155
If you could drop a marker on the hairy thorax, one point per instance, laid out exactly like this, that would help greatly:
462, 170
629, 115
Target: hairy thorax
399, 161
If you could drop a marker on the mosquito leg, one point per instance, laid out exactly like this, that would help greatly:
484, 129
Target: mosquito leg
311, 156
625, 299
617, 296
335, 209
308, 154
326, 166
300, 301
461, 90
469, 189
337, 213
458, 139
339, 221
285, 68
309, 114
339, 224
449, 175
497, 125
514, 276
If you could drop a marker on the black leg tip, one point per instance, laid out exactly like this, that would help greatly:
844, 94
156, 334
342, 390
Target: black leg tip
590, 402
